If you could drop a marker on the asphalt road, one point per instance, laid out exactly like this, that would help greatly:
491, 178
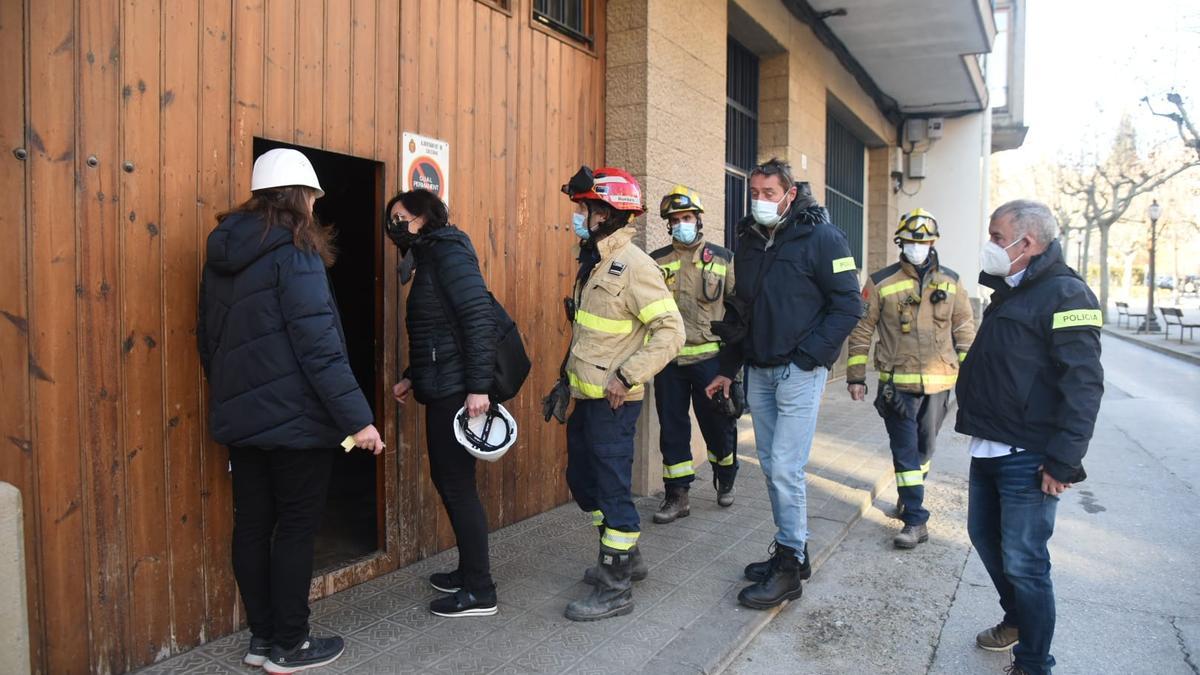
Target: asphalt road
1126, 555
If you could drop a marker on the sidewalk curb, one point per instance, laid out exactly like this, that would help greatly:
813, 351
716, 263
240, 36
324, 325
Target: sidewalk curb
1166, 351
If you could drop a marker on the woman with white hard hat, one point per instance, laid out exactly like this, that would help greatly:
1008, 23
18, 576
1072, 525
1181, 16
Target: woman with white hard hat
282, 398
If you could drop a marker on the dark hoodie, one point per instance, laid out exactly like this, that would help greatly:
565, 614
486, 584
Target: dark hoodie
271, 343
799, 288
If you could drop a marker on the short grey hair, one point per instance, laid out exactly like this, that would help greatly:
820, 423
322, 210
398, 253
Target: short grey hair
1030, 217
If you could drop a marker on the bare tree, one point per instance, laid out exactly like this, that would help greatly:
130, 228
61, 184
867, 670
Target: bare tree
1187, 130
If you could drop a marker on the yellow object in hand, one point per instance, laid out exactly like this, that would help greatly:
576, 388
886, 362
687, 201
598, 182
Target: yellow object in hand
348, 444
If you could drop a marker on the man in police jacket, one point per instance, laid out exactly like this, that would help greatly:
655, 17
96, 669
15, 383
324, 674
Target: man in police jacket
1028, 394
795, 303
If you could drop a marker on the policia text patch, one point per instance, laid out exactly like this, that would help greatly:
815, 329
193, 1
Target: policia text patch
1077, 318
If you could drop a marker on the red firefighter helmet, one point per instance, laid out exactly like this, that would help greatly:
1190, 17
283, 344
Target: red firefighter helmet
613, 186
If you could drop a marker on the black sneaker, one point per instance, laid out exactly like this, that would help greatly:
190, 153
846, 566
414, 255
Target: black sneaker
465, 603
258, 652
446, 582
313, 652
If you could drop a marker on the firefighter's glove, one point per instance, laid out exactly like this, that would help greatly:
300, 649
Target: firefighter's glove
556, 402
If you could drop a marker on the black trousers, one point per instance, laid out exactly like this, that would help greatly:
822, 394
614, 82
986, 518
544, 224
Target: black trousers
278, 499
452, 469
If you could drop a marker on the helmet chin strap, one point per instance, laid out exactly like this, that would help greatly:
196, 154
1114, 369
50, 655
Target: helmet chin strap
610, 224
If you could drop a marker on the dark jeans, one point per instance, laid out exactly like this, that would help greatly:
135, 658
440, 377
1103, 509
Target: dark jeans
676, 390
452, 469
600, 467
1010, 521
913, 438
278, 499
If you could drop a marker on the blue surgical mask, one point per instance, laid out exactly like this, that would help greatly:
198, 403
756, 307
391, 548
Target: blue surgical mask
684, 232
579, 222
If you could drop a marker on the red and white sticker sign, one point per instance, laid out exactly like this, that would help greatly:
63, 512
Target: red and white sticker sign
426, 165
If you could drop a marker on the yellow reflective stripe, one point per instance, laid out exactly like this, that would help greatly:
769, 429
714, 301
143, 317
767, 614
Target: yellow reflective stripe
597, 518
656, 309
614, 326
1077, 317
917, 378
925, 467
909, 478
586, 388
844, 265
724, 461
716, 268
618, 540
891, 289
670, 267
946, 286
860, 360
962, 356
706, 348
678, 470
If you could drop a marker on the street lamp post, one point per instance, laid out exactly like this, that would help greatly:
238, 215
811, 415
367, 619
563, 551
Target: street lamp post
1155, 212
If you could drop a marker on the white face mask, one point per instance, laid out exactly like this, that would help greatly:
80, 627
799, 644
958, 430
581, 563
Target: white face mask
684, 232
916, 254
766, 213
993, 259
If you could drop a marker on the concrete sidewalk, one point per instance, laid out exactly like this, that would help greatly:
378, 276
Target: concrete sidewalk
1188, 350
686, 620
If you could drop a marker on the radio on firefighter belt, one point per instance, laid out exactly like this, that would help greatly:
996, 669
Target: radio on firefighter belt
910, 305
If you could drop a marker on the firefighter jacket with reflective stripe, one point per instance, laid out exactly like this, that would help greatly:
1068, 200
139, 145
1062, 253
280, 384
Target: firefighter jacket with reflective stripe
625, 320
921, 342
797, 293
700, 276
1033, 377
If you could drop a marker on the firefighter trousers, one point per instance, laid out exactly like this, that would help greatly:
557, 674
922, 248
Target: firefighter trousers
600, 468
677, 389
913, 436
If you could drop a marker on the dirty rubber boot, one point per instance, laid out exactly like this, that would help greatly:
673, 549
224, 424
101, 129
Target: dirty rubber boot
674, 506
759, 571
724, 491
911, 535
613, 593
782, 583
640, 570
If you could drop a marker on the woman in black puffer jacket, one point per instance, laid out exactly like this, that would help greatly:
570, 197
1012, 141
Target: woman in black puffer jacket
281, 396
448, 296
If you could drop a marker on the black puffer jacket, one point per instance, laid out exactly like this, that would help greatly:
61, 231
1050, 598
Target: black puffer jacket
808, 296
271, 343
436, 366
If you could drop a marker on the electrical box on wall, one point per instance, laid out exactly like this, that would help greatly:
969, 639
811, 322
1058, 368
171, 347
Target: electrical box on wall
934, 127
914, 130
916, 165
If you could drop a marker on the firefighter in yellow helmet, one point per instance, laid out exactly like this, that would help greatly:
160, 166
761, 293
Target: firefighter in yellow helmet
626, 327
925, 326
700, 276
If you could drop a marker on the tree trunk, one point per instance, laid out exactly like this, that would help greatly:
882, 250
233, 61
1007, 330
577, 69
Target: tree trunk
1087, 252
1104, 269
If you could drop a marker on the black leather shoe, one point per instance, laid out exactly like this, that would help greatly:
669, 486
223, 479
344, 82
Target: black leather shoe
758, 572
465, 603
783, 582
446, 582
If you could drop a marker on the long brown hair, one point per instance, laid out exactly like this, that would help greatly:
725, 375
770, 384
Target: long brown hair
287, 207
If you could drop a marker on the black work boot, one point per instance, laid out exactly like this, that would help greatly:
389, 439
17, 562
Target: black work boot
612, 594
724, 487
640, 570
782, 582
674, 506
759, 571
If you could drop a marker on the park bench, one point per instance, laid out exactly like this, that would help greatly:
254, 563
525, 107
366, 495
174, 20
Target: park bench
1123, 313
1173, 316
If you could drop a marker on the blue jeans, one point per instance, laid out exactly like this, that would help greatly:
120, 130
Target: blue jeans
784, 401
1010, 521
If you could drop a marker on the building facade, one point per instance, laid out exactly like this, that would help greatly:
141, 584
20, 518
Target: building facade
131, 125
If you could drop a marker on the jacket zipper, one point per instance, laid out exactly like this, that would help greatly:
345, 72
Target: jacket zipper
435, 354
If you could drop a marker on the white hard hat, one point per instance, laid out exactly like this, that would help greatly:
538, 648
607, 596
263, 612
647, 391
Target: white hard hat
487, 436
282, 167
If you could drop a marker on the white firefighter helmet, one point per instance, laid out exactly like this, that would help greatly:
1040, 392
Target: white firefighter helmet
487, 436
283, 167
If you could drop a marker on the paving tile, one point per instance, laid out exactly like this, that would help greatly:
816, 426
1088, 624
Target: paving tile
417, 617
345, 620
509, 641
541, 658
356, 654
384, 635
188, 662
381, 604
526, 595
466, 662
417, 653
228, 650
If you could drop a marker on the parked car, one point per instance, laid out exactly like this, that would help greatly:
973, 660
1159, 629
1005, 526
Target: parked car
1166, 282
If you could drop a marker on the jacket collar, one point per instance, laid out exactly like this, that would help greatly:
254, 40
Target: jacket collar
615, 242
1044, 264
912, 270
684, 249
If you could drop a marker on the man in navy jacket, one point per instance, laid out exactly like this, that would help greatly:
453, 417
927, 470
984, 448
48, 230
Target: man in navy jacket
1028, 394
796, 301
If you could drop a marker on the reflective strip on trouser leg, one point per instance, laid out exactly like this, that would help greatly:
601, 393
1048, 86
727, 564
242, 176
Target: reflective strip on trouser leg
618, 540
597, 518
679, 470
909, 478
925, 468
727, 460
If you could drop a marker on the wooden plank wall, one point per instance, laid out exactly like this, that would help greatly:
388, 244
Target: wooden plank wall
136, 119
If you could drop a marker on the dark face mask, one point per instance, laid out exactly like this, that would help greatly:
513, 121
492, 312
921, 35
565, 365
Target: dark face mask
397, 231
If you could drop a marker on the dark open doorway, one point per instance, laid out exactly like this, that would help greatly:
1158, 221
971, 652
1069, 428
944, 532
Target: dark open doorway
353, 204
